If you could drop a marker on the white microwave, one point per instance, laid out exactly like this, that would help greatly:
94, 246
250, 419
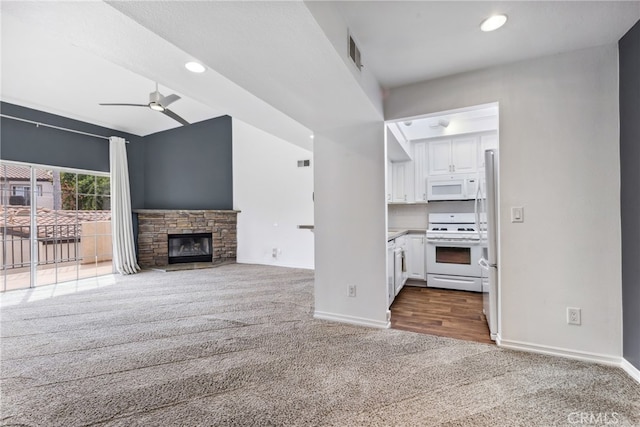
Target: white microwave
452, 187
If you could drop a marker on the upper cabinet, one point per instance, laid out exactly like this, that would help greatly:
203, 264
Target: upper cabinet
438, 147
389, 181
402, 182
440, 157
453, 155
420, 167
456, 158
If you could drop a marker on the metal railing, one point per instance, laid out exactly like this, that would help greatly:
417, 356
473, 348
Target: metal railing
56, 244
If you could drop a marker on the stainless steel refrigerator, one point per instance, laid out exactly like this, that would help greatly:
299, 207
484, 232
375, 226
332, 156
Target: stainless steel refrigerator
488, 207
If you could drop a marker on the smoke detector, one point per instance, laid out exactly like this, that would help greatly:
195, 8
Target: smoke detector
440, 123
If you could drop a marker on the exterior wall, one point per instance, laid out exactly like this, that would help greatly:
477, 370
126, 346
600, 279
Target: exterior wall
45, 192
155, 225
95, 242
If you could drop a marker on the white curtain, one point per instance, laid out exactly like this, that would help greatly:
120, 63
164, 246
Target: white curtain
124, 252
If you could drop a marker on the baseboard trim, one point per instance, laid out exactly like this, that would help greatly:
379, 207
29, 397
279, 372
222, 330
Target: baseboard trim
561, 352
353, 320
630, 369
272, 264
498, 340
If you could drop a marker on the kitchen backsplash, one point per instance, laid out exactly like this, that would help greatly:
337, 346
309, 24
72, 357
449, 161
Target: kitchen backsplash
414, 216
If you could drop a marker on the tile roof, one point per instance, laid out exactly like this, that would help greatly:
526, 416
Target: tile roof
51, 223
12, 172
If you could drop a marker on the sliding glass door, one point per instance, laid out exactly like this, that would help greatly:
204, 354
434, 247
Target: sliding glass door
56, 225
15, 253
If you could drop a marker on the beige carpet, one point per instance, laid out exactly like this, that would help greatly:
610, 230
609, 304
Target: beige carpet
237, 346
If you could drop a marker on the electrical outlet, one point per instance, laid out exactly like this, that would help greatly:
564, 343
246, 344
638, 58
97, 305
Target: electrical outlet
351, 290
274, 252
573, 316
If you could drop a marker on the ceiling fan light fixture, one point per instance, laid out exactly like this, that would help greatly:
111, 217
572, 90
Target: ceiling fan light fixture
194, 67
492, 23
155, 106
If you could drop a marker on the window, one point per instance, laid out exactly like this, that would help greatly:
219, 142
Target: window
71, 239
21, 194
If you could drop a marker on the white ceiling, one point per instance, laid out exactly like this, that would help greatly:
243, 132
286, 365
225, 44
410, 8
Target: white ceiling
269, 63
466, 120
49, 73
405, 42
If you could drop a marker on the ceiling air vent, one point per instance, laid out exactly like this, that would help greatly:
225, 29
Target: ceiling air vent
354, 53
304, 163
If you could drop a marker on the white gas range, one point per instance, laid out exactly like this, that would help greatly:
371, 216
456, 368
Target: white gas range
453, 251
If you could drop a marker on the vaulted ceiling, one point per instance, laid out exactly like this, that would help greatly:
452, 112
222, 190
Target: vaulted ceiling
276, 65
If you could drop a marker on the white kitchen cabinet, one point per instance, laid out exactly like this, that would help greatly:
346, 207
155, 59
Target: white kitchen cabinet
455, 155
402, 182
487, 142
464, 154
391, 287
389, 181
415, 257
403, 243
440, 157
420, 167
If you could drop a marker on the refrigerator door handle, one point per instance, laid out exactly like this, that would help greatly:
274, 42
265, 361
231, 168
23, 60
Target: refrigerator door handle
475, 206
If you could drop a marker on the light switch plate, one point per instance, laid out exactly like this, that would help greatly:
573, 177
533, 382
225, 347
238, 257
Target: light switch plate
517, 214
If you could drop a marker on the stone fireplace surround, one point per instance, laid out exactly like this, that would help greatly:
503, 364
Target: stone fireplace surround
154, 226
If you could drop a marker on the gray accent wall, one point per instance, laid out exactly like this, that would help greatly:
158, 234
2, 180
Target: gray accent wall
629, 54
26, 142
190, 167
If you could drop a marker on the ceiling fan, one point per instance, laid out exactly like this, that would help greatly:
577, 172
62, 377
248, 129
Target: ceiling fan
159, 102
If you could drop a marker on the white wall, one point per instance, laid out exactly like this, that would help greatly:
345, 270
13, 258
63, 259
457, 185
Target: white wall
332, 22
274, 197
350, 219
559, 153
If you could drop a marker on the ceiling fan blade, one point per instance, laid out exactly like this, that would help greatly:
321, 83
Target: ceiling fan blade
174, 116
169, 99
129, 105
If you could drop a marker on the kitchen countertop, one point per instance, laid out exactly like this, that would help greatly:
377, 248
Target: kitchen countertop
394, 233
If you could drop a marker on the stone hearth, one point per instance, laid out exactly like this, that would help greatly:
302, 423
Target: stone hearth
154, 226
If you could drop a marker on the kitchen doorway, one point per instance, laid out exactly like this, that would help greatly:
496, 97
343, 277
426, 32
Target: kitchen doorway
436, 169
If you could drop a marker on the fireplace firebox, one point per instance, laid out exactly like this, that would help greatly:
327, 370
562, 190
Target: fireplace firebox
193, 247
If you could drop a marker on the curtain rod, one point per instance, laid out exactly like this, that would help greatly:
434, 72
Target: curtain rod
38, 124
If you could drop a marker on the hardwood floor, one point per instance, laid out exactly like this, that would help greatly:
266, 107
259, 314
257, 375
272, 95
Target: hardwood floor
443, 312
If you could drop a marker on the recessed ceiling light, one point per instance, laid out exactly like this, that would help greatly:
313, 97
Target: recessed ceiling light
194, 67
493, 22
